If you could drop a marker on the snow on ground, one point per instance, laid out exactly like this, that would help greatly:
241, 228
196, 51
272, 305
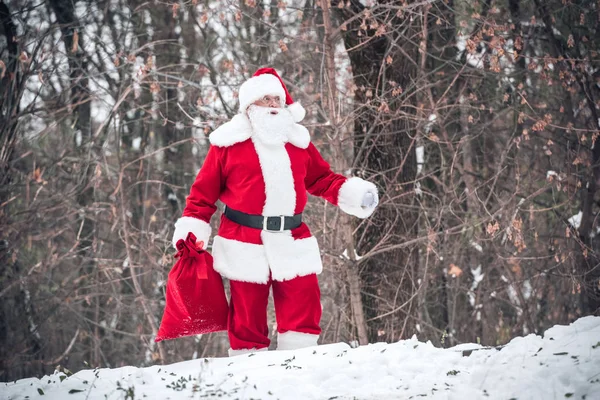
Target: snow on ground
564, 363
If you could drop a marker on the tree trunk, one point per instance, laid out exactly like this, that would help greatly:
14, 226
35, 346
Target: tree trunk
384, 143
8, 102
588, 260
341, 164
81, 107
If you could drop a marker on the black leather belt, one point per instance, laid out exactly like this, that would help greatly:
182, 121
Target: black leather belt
277, 224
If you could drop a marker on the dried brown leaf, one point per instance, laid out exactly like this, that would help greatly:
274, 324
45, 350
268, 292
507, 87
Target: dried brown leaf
283, 46
75, 44
154, 87
37, 175
455, 271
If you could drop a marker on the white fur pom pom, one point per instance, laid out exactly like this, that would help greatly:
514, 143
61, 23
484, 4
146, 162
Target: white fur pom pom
298, 112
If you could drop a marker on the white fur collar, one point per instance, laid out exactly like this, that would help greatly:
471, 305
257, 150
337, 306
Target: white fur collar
239, 130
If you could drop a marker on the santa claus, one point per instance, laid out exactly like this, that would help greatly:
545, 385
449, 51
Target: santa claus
261, 165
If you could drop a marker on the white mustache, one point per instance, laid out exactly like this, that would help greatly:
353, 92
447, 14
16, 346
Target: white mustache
267, 110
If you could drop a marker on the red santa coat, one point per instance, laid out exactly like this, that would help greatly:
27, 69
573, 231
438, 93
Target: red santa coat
254, 178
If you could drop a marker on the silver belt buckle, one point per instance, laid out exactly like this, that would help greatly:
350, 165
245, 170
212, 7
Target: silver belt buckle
281, 224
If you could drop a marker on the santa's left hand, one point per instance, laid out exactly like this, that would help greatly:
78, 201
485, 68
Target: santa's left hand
370, 200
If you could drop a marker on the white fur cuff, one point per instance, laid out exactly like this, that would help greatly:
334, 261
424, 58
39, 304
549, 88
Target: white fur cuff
291, 340
351, 195
185, 225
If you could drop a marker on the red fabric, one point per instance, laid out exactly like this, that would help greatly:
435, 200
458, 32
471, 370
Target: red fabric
260, 71
196, 301
233, 175
297, 308
320, 180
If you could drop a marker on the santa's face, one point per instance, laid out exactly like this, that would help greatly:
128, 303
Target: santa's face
270, 125
272, 101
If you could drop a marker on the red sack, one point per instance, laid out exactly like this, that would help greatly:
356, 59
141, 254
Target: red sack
196, 301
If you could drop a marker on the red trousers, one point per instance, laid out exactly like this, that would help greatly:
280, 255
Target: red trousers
297, 311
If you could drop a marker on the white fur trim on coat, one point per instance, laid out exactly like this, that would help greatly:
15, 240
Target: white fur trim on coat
239, 130
351, 195
299, 137
235, 131
240, 352
259, 86
280, 255
199, 228
289, 258
276, 170
240, 261
292, 340
298, 112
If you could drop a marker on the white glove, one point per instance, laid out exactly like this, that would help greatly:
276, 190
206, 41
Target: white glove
370, 200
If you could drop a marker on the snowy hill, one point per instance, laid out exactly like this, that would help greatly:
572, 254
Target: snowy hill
565, 363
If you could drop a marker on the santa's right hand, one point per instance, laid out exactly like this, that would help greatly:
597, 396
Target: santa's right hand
369, 200
198, 227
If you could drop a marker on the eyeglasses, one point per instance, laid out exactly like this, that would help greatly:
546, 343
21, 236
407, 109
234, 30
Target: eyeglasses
268, 98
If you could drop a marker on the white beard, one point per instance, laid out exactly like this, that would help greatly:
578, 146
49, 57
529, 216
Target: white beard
271, 130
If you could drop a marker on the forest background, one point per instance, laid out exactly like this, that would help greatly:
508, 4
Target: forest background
477, 120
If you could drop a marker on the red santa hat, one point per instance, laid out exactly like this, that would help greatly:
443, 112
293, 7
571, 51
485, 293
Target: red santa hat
266, 81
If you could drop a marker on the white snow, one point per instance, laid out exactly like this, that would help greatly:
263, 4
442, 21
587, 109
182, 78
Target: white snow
345, 255
477, 277
575, 220
136, 143
418, 190
477, 246
565, 363
427, 128
514, 298
527, 290
420, 154
475, 59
